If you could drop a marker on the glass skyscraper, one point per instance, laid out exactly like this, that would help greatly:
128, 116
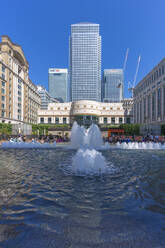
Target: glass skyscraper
113, 84
45, 97
85, 62
58, 84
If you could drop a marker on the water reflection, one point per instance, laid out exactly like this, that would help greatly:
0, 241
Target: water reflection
41, 206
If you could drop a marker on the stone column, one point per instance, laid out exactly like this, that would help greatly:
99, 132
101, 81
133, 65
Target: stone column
150, 115
147, 109
60, 120
134, 112
162, 102
46, 120
156, 105
100, 120
53, 119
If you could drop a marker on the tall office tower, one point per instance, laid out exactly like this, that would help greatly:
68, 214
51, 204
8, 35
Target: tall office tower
113, 84
85, 62
58, 84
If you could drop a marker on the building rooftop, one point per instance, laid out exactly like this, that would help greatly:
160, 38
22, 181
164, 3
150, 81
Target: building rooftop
85, 23
107, 71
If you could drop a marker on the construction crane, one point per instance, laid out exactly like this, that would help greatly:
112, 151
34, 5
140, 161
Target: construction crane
120, 85
125, 60
131, 86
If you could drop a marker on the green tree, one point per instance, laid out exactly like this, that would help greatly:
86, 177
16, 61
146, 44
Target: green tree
43, 128
5, 128
131, 129
163, 129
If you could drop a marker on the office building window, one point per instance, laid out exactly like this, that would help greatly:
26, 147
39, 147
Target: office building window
57, 120
3, 98
128, 120
105, 120
120, 120
64, 120
42, 120
49, 120
3, 91
113, 120
3, 113
3, 68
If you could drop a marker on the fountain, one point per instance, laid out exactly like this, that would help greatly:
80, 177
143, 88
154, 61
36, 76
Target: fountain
94, 138
81, 137
87, 159
27, 145
77, 136
140, 145
77, 197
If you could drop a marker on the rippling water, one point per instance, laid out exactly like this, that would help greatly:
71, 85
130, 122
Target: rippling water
43, 205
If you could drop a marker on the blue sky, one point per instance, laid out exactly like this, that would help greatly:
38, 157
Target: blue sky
42, 28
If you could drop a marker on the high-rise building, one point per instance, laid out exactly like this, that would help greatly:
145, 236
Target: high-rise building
85, 62
19, 100
58, 84
45, 97
113, 84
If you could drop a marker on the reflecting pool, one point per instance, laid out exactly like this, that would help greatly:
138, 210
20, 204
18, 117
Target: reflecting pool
43, 203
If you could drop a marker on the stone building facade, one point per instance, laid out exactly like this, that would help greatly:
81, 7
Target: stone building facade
86, 112
19, 100
149, 97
